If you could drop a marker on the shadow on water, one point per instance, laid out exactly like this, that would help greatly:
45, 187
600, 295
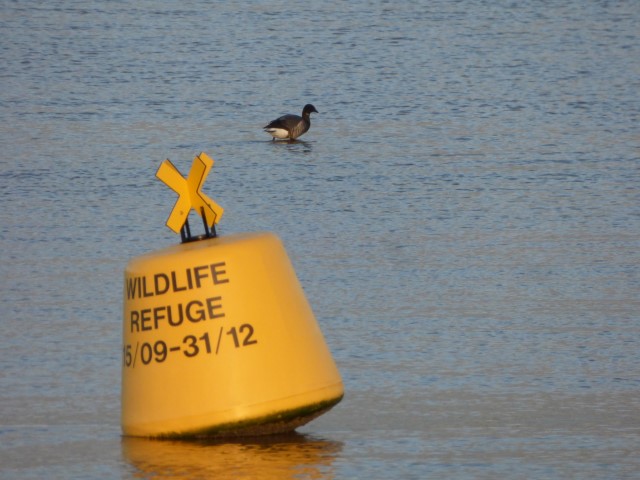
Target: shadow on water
293, 145
276, 456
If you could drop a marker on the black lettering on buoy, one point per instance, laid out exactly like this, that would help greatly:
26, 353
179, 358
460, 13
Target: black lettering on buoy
174, 315
145, 319
162, 283
212, 306
178, 322
156, 283
157, 315
133, 286
189, 279
199, 312
174, 281
217, 272
135, 317
199, 275
145, 293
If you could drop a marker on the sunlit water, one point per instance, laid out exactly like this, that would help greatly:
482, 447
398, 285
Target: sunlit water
464, 216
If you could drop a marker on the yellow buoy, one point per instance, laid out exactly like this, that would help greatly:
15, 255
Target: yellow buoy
219, 339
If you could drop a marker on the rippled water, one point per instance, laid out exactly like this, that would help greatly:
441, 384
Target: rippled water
464, 216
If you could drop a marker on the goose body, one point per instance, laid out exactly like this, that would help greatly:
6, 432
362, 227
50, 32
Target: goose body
291, 126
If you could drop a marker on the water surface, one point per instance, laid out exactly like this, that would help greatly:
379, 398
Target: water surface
464, 216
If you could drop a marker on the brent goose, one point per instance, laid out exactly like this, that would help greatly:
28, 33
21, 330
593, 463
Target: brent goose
291, 126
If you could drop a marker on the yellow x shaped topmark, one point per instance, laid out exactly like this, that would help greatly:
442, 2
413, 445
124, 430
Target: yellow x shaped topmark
189, 194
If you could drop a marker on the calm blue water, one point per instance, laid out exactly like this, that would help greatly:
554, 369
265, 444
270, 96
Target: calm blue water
464, 216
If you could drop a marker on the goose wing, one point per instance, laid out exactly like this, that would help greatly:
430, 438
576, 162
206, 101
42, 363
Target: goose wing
286, 122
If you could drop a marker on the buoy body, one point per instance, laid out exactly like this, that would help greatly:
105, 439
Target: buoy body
219, 340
